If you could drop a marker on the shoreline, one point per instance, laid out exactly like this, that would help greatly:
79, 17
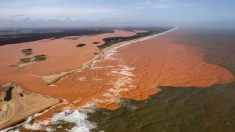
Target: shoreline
50, 79
87, 65
33, 116
17, 98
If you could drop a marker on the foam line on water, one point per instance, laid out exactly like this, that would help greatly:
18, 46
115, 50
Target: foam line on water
110, 52
78, 116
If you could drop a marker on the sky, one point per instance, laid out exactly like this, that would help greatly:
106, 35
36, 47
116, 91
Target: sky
83, 13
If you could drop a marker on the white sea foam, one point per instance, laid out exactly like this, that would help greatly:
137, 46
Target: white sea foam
82, 78
99, 67
77, 117
109, 53
119, 85
37, 126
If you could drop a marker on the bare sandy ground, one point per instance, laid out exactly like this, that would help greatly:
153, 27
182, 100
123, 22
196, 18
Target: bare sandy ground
21, 105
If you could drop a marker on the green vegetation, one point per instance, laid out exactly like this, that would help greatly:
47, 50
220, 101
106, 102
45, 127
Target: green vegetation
21, 95
95, 42
18, 35
8, 95
41, 57
25, 60
27, 51
80, 45
113, 40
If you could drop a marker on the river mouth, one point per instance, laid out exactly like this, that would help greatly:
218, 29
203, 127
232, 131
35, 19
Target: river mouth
173, 96
174, 108
71, 113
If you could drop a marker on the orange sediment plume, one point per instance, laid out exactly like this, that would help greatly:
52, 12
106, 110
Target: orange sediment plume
62, 56
132, 72
136, 71
166, 63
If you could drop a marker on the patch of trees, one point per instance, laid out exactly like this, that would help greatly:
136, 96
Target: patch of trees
28, 35
113, 40
80, 45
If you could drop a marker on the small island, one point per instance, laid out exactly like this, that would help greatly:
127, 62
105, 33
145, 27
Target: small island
29, 60
27, 51
95, 42
41, 57
80, 45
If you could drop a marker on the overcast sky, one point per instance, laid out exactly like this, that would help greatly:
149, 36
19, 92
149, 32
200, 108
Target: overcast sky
80, 13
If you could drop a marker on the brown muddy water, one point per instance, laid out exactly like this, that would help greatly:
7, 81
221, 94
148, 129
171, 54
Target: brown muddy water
181, 81
179, 108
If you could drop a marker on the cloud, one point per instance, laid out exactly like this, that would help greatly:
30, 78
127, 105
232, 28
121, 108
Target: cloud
162, 6
141, 5
20, 17
56, 10
86, 12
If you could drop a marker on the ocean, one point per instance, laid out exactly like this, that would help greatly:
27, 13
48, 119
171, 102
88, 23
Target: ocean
182, 109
